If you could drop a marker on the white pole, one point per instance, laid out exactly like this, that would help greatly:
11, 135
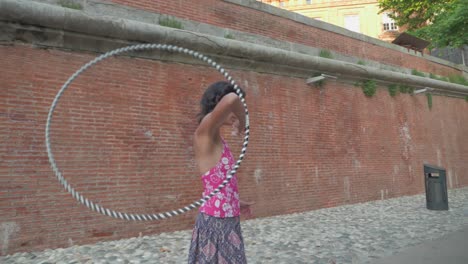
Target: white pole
463, 55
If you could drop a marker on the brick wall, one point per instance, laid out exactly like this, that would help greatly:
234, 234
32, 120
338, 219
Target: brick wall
236, 17
122, 136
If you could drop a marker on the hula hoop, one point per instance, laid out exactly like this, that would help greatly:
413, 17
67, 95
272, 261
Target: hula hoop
156, 216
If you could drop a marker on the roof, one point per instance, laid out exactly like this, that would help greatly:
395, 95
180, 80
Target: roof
409, 41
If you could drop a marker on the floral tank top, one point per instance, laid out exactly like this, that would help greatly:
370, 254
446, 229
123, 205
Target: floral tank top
226, 202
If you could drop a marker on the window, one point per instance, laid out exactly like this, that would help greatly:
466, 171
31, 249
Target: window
351, 22
308, 2
388, 23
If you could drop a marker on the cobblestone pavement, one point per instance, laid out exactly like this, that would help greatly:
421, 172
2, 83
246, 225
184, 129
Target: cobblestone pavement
358, 233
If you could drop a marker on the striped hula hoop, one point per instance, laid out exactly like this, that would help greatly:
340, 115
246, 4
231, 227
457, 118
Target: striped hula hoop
156, 216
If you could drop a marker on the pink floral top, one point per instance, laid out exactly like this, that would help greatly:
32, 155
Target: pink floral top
226, 202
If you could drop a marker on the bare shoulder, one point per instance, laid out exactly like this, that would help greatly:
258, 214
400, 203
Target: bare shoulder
200, 139
203, 137
207, 150
203, 128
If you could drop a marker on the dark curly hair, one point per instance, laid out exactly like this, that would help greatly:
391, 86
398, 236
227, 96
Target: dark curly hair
213, 95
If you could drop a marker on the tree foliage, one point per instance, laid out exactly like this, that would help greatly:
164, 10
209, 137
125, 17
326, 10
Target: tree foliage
444, 23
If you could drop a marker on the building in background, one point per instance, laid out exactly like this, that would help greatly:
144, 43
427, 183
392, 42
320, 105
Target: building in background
360, 16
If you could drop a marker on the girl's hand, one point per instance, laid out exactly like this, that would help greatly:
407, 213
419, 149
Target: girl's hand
237, 130
246, 204
245, 209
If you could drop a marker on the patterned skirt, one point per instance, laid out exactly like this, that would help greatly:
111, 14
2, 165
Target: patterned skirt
217, 241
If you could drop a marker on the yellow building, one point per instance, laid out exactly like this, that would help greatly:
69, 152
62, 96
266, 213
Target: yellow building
359, 16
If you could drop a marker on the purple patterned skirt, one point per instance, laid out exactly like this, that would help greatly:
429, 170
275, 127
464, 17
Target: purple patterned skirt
217, 240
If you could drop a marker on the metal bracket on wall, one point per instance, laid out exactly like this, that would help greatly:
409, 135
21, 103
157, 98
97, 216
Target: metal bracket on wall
426, 89
319, 78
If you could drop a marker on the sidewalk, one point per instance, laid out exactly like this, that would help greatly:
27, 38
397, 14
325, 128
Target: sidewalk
450, 249
393, 231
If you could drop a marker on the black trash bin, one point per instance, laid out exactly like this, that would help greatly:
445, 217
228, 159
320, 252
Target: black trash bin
436, 187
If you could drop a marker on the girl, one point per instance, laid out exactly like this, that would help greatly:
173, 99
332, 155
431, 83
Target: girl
217, 236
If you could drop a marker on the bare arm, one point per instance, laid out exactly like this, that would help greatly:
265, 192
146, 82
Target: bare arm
230, 103
207, 144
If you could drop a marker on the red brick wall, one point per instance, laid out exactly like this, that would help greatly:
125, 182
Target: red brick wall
122, 136
228, 15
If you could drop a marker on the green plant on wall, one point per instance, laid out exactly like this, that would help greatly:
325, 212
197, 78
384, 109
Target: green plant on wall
70, 4
229, 36
435, 77
170, 22
360, 62
429, 100
369, 87
403, 88
326, 54
440, 78
458, 79
417, 73
393, 89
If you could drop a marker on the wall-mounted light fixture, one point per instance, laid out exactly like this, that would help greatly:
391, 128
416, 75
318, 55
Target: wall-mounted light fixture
319, 78
426, 89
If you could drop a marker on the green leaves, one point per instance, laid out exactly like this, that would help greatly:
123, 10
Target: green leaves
412, 13
369, 87
429, 100
444, 23
393, 89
